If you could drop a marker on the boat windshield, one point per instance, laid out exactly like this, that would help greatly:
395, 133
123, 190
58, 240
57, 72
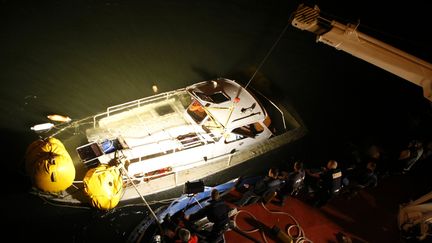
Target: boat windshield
216, 98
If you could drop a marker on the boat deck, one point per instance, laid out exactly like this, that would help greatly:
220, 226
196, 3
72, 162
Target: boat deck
138, 122
370, 216
315, 224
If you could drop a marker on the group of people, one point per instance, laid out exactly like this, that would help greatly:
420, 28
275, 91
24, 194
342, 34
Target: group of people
277, 184
183, 231
319, 185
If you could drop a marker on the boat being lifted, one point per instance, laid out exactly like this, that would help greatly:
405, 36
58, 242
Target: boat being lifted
157, 143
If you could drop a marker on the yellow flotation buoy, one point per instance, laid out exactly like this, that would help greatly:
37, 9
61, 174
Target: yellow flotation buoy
49, 165
104, 185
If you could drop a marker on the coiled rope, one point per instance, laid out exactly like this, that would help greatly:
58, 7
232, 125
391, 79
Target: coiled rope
300, 237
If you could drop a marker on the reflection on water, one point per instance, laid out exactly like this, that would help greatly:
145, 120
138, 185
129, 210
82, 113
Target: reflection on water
77, 58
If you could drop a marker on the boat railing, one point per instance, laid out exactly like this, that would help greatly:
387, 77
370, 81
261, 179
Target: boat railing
175, 172
280, 111
274, 105
180, 145
153, 176
135, 104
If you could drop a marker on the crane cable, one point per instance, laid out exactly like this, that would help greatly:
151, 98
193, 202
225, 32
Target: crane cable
259, 67
268, 53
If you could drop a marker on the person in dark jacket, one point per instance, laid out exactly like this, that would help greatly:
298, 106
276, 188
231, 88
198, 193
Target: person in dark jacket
362, 178
216, 212
367, 176
293, 182
262, 188
330, 183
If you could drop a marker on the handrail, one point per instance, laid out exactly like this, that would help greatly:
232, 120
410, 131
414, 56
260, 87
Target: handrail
210, 160
271, 102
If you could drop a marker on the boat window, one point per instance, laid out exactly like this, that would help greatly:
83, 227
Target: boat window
251, 131
219, 97
196, 111
216, 98
164, 110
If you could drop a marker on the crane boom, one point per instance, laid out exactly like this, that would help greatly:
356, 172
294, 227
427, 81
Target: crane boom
349, 39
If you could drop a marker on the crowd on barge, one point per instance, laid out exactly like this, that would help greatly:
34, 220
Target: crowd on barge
341, 176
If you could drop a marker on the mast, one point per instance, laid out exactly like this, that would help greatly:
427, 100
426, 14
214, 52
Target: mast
347, 38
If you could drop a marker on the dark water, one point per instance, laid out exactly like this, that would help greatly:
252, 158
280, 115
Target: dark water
78, 57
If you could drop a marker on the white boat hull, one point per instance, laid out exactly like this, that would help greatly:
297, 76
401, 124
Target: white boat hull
161, 143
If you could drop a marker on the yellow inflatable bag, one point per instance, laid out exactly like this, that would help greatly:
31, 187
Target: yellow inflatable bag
104, 186
49, 165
